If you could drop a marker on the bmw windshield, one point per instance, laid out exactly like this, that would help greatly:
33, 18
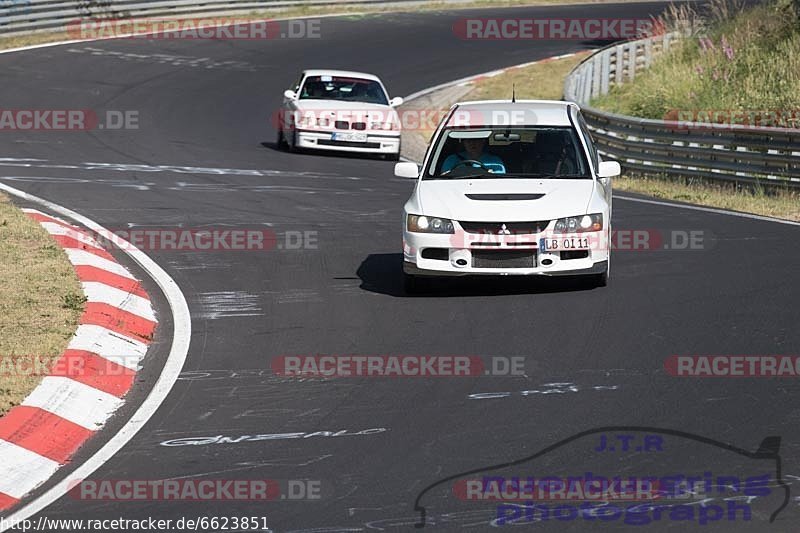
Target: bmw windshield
343, 88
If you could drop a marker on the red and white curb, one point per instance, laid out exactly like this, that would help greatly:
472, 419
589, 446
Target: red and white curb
90, 379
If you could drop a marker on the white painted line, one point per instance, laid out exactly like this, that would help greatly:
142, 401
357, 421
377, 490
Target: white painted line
109, 344
22, 470
84, 258
709, 210
74, 401
182, 331
102, 293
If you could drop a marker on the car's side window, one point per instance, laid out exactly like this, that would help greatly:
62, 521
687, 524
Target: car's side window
587, 137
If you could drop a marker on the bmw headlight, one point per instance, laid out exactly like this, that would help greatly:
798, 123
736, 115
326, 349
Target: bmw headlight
388, 126
579, 224
423, 224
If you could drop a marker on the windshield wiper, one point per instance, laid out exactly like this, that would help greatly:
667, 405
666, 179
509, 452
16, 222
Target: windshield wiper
547, 176
467, 176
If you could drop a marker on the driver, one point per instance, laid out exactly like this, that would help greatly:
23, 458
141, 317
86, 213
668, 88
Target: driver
473, 151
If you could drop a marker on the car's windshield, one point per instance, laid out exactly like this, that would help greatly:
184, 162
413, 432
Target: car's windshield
502, 152
342, 88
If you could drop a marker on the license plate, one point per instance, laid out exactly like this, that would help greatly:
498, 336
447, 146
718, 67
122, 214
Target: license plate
349, 137
563, 243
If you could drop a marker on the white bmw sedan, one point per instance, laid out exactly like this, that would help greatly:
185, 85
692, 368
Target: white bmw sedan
340, 110
509, 188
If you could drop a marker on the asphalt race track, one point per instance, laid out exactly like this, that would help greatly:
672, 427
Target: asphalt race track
594, 357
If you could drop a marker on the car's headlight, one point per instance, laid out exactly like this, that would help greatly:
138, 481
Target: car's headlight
305, 121
388, 126
324, 122
579, 224
423, 224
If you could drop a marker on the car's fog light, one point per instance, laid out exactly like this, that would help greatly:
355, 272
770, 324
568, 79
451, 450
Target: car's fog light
460, 258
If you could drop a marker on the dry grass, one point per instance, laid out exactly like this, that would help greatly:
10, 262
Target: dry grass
785, 205
744, 61
40, 300
543, 81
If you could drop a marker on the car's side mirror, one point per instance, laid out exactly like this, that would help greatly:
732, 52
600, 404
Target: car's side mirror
609, 169
397, 101
406, 170
289, 94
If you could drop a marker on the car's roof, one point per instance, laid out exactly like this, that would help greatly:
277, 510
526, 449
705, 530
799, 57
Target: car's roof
340, 73
535, 112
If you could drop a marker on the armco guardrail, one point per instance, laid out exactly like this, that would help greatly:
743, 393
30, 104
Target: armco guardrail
729, 153
30, 16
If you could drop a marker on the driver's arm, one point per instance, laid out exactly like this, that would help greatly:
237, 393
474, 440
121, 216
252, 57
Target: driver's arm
451, 161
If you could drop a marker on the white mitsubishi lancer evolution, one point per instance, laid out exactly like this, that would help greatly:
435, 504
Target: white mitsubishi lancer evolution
509, 188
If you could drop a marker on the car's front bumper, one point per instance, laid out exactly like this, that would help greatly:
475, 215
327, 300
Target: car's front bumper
456, 256
377, 143
596, 268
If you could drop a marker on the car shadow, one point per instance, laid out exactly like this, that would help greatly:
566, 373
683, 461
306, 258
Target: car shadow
273, 145
383, 274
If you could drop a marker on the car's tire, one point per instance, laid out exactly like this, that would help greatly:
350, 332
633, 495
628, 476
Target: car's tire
291, 145
392, 157
415, 284
601, 280
281, 140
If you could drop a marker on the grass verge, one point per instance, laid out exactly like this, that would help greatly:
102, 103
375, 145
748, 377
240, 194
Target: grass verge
785, 205
41, 301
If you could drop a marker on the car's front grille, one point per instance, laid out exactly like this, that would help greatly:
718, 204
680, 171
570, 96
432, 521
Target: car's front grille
342, 125
327, 142
511, 228
503, 259
359, 126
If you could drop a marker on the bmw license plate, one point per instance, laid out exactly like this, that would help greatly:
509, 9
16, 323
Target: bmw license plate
349, 137
563, 243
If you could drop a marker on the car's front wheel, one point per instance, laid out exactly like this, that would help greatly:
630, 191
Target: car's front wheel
601, 280
281, 140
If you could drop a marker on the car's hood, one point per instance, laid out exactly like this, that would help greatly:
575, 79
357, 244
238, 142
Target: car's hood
504, 200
